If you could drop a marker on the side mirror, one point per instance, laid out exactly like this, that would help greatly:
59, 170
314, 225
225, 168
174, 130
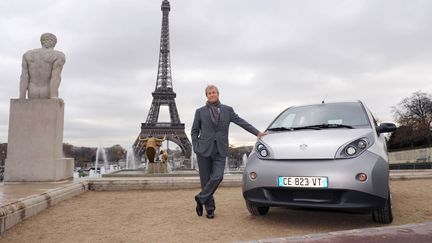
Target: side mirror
386, 127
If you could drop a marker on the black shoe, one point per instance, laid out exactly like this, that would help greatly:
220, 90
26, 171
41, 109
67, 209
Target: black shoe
199, 207
210, 214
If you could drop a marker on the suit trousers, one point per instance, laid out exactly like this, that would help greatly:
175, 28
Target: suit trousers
211, 171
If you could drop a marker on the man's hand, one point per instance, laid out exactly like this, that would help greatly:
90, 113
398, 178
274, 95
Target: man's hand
261, 134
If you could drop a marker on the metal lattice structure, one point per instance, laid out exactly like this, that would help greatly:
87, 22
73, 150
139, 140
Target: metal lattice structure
164, 95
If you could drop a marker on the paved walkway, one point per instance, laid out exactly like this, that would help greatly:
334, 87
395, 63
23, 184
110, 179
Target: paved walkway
418, 233
22, 200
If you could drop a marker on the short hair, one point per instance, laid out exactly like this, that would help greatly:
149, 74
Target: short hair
209, 87
48, 40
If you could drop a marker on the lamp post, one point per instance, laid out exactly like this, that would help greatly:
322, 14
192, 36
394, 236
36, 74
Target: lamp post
3, 158
429, 145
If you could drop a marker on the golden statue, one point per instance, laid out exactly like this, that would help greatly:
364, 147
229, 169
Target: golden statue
150, 144
164, 156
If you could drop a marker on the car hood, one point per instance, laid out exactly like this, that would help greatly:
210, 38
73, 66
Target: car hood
310, 144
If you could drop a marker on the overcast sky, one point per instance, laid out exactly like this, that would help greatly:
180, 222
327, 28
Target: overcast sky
264, 55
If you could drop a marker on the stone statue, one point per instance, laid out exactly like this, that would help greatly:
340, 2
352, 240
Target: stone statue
41, 69
35, 139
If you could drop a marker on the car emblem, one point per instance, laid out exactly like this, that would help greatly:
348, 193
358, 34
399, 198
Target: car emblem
303, 146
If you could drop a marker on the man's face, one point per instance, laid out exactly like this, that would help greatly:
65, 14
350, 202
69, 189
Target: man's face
212, 95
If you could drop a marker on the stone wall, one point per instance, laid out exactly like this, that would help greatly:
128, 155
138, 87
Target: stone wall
411, 156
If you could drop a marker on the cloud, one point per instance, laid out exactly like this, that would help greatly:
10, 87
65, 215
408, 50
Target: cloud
263, 55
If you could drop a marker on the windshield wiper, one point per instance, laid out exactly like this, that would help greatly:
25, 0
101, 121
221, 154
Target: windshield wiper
324, 125
280, 129
336, 126
315, 127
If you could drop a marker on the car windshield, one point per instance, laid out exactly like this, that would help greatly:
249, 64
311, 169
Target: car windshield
322, 116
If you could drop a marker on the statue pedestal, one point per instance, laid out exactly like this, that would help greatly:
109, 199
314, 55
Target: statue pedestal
157, 168
35, 143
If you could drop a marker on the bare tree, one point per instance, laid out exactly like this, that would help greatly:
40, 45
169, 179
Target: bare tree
414, 112
414, 109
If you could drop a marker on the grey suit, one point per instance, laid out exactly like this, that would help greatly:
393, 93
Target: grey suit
210, 143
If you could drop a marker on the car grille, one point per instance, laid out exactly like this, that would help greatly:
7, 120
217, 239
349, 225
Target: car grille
298, 195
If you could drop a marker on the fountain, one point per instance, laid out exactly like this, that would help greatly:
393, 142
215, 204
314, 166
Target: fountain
92, 174
244, 160
100, 150
130, 159
194, 161
146, 162
227, 168
157, 161
169, 167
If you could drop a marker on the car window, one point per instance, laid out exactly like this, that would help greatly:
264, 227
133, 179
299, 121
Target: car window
349, 113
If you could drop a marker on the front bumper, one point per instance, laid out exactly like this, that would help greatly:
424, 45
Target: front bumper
314, 198
344, 190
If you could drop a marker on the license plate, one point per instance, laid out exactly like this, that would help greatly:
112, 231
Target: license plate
303, 181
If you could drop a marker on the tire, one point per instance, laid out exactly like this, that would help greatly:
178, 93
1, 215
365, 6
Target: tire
384, 214
256, 210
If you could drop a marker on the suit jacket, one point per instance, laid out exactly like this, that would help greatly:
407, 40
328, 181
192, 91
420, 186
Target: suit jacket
204, 133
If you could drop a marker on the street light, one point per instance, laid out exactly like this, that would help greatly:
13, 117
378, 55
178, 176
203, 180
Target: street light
429, 145
3, 158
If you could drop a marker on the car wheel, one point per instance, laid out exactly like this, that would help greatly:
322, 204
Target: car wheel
384, 214
256, 210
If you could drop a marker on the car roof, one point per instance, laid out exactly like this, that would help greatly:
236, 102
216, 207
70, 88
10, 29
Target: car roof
325, 103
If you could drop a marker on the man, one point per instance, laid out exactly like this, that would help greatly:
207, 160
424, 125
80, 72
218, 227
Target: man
41, 69
210, 143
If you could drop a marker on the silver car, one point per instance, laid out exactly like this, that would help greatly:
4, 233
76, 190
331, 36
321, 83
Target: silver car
327, 156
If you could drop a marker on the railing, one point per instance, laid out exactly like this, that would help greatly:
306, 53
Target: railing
163, 125
1, 173
411, 166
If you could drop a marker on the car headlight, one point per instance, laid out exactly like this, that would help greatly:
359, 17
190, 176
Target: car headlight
350, 150
262, 150
354, 149
362, 143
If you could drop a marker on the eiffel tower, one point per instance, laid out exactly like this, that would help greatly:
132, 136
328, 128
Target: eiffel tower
164, 95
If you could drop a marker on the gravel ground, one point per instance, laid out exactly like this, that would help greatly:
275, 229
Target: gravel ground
169, 216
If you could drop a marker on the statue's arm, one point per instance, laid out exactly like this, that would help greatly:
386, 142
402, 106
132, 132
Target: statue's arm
56, 75
24, 79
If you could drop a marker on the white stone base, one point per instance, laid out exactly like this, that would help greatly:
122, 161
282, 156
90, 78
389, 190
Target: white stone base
35, 143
